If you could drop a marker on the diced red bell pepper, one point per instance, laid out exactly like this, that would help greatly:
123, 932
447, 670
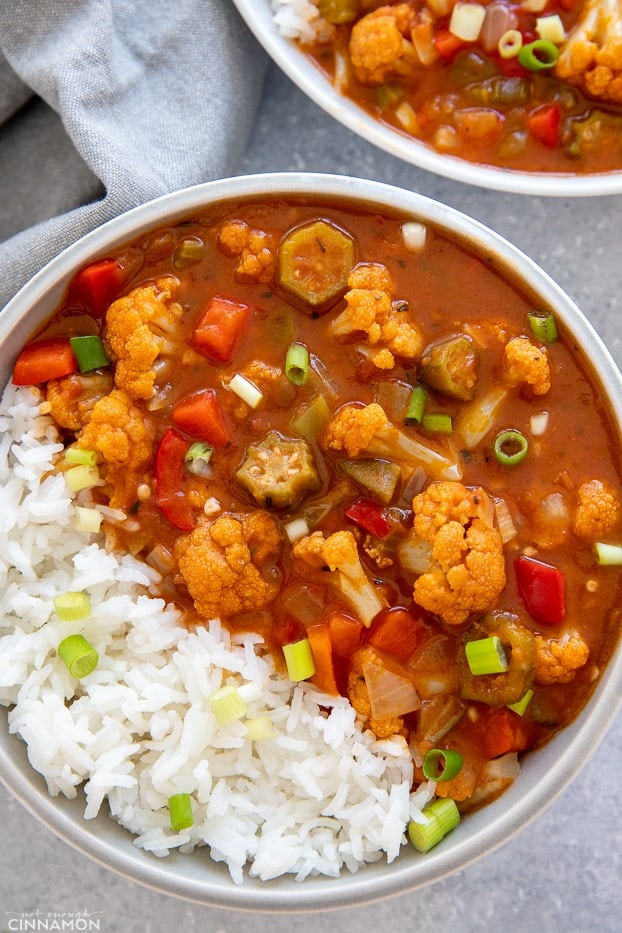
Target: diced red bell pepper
370, 516
169, 473
542, 589
96, 286
543, 124
397, 632
201, 416
322, 650
504, 731
219, 328
44, 360
447, 45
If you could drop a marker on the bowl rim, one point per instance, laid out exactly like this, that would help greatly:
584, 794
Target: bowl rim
545, 773
258, 17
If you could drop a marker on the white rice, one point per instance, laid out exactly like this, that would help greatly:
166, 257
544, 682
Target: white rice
301, 20
318, 796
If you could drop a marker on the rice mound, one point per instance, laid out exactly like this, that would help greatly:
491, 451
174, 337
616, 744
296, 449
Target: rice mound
301, 20
317, 796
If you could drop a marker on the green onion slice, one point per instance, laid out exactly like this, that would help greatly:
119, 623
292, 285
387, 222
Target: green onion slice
299, 660
441, 764
259, 727
510, 447
538, 55
486, 656
416, 404
76, 455
438, 422
81, 476
441, 816
297, 364
521, 705
608, 555
89, 352
180, 812
78, 655
188, 251
197, 458
246, 390
72, 607
227, 705
543, 325
87, 519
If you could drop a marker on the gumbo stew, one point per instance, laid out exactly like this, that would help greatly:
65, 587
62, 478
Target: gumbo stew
345, 431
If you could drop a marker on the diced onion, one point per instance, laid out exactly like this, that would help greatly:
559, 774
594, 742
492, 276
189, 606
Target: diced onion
390, 692
297, 529
538, 423
246, 390
505, 522
467, 20
534, 6
414, 235
407, 117
551, 28
87, 520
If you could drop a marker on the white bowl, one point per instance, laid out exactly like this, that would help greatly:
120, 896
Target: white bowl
544, 773
259, 18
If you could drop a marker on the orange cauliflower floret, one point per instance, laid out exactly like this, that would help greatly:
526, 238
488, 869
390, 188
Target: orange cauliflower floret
121, 433
256, 250
228, 565
370, 309
527, 364
339, 552
381, 46
366, 430
598, 511
468, 566
591, 55
71, 399
558, 659
137, 332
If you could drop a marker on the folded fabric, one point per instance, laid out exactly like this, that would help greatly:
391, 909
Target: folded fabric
105, 104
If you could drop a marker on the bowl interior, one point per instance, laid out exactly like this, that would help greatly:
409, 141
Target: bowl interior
544, 773
259, 18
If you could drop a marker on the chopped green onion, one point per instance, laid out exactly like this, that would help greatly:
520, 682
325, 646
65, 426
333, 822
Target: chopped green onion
297, 364
440, 816
437, 422
521, 705
197, 458
486, 656
76, 455
313, 419
608, 555
543, 325
299, 660
227, 705
259, 727
81, 477
388, 94
246, 390
441, 764
89, 352
510, 447
87, 519
538, 55
180, 812
510, 43
72, 607
188, 251
78, 655
416, 404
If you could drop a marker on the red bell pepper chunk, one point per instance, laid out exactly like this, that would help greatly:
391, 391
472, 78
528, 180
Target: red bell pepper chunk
543, 124
370, 516
504, 732
542, 589
219, 328
96, 286
169, 473
44, 360
447, 45
396, 632
201, 415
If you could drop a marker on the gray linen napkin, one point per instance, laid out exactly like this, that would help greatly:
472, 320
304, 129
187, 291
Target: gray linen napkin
105, 104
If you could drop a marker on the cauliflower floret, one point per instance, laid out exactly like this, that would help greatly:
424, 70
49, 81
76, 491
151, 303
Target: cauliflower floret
370, 309
527, 364
558, 659
71, 399
228, 564
366, 430
137, 332
468, 566
340, 554
256, 249
598, 511
381, 46
121, 433
591, 56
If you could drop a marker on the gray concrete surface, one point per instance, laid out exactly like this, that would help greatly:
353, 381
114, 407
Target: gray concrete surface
561, 874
